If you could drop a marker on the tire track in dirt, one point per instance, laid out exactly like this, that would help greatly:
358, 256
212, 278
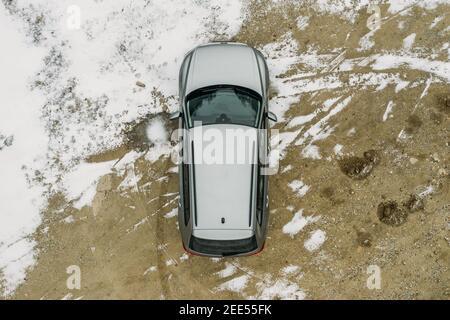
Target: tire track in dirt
141, 205
189, 279
163, 271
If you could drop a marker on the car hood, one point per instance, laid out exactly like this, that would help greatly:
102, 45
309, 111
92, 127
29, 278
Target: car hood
227, 64
223, 190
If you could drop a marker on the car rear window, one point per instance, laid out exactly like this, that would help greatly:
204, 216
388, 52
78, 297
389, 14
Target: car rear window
223, 247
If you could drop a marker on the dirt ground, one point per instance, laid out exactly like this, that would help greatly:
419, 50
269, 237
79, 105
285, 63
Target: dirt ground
384, 201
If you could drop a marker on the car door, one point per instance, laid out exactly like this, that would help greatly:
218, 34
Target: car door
185, 203
261, 201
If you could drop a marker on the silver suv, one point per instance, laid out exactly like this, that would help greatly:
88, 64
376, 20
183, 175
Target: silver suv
223, 208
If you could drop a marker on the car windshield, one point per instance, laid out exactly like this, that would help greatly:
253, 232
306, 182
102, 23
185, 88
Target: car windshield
223, 105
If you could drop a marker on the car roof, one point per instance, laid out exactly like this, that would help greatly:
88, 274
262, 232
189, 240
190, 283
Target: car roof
223, 63
224, 193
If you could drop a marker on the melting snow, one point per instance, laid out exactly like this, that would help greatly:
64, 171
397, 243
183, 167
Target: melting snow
388, 61
290, 269
280, 56
436, 21
338, 149
316, 240
229, 270
428, 190
237, 284
401, 85
409, 41
280, 289
184, 257
131, 180
297, 223
156, 131
69, 219
151, 269
172, 213
312, 152
366, 42
398, 5
81, 184
302, 22
298, 187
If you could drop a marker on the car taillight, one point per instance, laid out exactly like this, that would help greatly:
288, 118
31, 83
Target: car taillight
190, 252
259, 251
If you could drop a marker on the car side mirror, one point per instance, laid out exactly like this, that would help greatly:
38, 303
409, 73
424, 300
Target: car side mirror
272, 116
175, 115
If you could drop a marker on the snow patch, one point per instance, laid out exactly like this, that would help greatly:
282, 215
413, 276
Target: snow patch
184, 257
280, 57
401, 85
290, 269
151, 269
20, 200
229, 270
156, 131
366, 42
172, 213
69, 219
338, 149
347, 9
315, 241
237, 284
409, 41
436, 21
287, 168
351, 132
389, 61
81, 183
131, 180
299, 188
280, 289
312, 152
395, 6
302, 22
297, 223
